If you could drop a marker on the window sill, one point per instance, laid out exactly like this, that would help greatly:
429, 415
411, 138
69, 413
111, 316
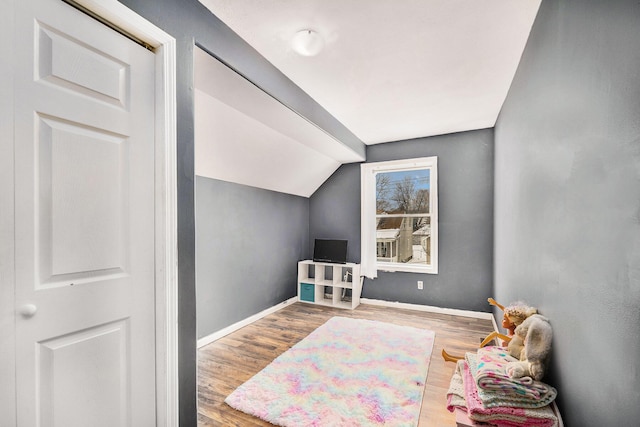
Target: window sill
404, 268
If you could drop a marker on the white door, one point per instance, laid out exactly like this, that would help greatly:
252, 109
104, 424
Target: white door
84, 221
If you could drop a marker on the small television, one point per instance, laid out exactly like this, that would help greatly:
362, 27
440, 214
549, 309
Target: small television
330, 250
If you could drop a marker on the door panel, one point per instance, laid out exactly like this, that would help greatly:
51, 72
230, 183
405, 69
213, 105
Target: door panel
69, 153
84, 222
67, 62
69, 396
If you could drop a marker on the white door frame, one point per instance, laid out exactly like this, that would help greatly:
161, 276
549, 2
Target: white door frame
7, 244
166, 260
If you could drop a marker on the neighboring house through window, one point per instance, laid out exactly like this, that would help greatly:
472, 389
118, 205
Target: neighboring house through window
400, 216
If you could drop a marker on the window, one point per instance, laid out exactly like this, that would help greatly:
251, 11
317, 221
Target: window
400, 216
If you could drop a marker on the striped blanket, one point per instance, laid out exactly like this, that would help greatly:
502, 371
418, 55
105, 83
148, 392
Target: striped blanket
463, 393
496, 388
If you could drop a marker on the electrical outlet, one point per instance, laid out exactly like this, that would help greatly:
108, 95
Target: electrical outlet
420, 285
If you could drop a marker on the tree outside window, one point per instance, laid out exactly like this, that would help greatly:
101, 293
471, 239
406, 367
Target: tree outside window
403, 229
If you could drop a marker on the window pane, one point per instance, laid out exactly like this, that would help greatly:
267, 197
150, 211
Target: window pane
403, 192
403, 239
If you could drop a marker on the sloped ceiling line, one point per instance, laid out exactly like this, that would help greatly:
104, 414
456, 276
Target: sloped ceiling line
244, 135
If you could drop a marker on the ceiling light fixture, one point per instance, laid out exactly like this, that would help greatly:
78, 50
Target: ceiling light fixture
307, 42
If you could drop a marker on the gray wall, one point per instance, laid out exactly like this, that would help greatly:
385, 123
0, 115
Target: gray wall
248, 242
465, 201
567, 231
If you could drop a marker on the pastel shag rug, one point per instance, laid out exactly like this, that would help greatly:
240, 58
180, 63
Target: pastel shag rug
348, 372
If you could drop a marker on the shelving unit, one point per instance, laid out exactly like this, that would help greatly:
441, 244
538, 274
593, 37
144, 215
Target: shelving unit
334, 285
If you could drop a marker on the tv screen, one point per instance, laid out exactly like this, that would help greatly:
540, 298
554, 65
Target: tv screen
327, 250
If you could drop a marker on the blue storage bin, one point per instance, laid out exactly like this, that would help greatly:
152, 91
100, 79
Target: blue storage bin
307, 292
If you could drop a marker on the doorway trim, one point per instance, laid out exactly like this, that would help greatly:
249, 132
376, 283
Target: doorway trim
166, 253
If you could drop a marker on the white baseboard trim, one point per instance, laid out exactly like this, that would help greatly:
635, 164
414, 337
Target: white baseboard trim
429, 308
232, 328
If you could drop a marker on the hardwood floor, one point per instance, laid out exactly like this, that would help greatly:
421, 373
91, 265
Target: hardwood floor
228, 362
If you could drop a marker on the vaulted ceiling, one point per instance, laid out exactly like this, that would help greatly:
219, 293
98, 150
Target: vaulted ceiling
392, 70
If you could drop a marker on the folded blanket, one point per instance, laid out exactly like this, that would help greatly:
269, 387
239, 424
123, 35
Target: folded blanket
455, 394
503, 416
496, 388
462, 394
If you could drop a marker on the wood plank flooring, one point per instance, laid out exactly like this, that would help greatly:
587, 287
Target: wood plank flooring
228, 362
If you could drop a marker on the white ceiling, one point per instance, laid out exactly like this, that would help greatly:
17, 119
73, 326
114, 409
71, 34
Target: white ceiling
394, 69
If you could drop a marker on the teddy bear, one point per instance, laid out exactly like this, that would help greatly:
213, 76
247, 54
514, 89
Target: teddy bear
528, 340
531, 344
514, 314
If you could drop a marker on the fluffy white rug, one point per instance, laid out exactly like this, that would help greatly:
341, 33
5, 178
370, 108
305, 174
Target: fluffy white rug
348, 372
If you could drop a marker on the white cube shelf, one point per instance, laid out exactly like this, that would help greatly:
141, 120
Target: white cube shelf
316, 278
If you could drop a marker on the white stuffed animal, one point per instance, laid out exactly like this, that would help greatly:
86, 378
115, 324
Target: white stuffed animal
536, 335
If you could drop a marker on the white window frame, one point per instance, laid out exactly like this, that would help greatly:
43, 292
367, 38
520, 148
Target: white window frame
368, 172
